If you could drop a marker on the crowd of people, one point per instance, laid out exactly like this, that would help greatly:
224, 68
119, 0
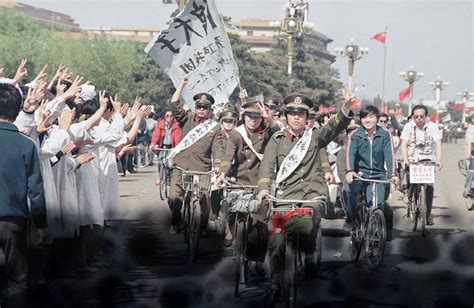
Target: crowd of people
62, 141
59, 183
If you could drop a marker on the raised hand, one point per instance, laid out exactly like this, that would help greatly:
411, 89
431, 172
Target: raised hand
102, 100
143, 112
41, 75
349, 97
73, 89
21, 72
265, 110
124, 110
116, 103
65, 119
45, 123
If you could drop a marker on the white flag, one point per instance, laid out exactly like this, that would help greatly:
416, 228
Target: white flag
195, 43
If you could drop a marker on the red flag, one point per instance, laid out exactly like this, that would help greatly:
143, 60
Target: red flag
470, 109
458, 107
434, 117
327, 109
381, 37
404, 94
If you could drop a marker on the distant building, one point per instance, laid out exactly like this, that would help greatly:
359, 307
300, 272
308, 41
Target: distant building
57, 21
263, 37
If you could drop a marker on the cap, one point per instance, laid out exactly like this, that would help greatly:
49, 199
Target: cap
271, 103
313, 112
203, 99
229, 115
251, 109
297, 102
352, 125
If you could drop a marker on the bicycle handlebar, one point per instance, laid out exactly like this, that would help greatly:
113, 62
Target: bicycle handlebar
314, 200
372, 180
195, 172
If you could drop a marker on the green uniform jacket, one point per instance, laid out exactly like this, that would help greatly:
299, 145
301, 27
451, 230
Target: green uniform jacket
204, 153
240, 161
305, 182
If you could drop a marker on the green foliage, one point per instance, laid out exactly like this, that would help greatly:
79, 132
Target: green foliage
122, 67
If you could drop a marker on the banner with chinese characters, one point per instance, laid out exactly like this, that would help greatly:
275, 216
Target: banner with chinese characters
195, 43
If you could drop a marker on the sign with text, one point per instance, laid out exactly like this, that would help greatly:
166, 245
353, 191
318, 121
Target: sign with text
420, 174
195, 44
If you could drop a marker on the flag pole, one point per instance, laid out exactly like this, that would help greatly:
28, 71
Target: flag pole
384, 70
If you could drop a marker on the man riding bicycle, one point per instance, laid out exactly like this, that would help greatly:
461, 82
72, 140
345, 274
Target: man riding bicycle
291, 159
369, 153
421, 137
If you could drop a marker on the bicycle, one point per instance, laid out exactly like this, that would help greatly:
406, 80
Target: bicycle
164, 172
464, 166
196, 185
369, 227
421, 174
240, 200
143, 156
282, 212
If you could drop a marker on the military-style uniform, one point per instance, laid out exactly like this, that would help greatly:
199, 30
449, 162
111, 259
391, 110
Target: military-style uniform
200, 156
305, 182
239, 160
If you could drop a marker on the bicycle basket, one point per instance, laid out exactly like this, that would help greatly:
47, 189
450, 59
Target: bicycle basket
200, 184
296, 221
242, 202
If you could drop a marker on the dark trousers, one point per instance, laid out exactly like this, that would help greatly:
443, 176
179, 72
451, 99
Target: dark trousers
13, 244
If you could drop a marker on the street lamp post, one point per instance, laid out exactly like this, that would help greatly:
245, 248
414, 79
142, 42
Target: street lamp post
353, 52
294, 25
411, 76
465, 95
438, 86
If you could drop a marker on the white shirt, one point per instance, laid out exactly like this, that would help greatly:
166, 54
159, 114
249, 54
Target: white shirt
421, 140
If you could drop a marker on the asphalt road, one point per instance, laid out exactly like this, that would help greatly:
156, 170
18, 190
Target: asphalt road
144, 266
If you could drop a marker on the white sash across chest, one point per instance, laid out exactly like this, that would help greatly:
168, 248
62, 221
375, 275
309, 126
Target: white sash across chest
243, 132
296, 156
192, 137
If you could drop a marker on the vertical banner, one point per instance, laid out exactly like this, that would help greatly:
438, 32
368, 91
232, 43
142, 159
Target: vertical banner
195, 43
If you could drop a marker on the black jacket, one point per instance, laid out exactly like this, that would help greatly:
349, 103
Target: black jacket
20, 178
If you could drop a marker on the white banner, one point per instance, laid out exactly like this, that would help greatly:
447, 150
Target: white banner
195, 43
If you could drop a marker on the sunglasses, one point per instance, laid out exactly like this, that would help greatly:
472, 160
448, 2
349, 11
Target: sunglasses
202, 107
419, 116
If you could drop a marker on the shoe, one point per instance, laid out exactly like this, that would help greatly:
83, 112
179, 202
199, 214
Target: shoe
132, 171
172, 230
211, 226
429, 221
347, 226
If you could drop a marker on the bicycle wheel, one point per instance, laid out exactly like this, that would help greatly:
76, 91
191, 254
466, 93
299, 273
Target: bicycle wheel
195, 232
161, 171
375, 239
415, 209
289, 275
356, 241
187, 222
422, 209
239, 258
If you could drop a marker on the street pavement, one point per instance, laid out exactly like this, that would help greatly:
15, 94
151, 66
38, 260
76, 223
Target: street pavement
144, 266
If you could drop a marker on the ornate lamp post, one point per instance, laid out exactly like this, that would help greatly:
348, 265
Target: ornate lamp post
465, 95
411, 76
352, 52
294, 25
438, 86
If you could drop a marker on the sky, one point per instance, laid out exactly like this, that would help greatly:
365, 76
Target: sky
436, 37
